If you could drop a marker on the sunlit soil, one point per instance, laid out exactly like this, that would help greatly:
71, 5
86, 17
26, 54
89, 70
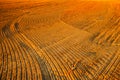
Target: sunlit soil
75, 40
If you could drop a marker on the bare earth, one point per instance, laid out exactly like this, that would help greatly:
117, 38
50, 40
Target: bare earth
76, 40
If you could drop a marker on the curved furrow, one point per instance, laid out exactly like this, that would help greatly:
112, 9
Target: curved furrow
58, 51
40, 61
31, 72
47, 58
10, 62
36, 72
38, 68
51, 68
48, 51
1, 57
32, 69
32, 58
53, 50
64, 68
29, 65
14, 60
51, 62
62, 72
2, 66
19, 67
5, 66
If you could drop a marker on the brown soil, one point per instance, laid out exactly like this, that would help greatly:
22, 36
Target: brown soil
75, 40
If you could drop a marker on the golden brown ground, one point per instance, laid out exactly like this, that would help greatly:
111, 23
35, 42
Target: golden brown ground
75, 40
